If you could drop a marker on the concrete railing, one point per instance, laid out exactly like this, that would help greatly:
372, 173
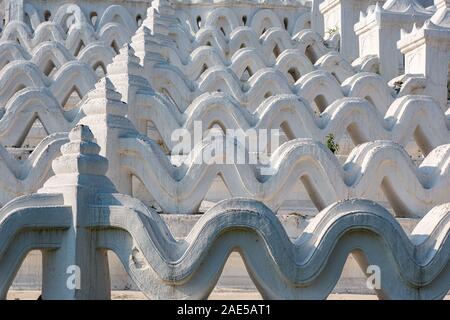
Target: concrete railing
78, 215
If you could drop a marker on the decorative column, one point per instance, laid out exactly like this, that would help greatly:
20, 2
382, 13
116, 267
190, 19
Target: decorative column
127, 76
14, 10
160, 16
105, 116
152, 38
317, 18
427, 52
77, 270
379, 31
341, 16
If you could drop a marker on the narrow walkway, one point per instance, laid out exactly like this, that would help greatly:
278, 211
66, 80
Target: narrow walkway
216, 295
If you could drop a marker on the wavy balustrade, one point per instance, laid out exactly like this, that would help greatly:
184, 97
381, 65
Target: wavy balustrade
26, 224
271, 44
71, 76
49, 80
243, 52
208, 70
408, 189
407, 118
360, 85
359, 105
184, 85
397, 200
75, 76
218, 61
411, 266
319, 87
370, 167
249, 57
216, 26
72, 28
65, 55
46, 88
28, 105
261, 72
209, 67
274, 47
229, 19
21, 177
305, 268
50, 56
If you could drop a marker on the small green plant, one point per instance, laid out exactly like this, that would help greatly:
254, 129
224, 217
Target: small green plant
331, 143
333, 31
398, 86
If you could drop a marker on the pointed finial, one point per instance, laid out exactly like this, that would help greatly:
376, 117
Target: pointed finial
125, 62
127, 54
164, 7
441, 18
104, 99
441, 4
79, 166
80, 155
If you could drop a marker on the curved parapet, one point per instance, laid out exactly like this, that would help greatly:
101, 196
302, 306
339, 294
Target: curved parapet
259, 19
313, 43
117, 14
407, 118
70, 26
78, 214
371, 87
336, 65
21, 33
11, 51
282, 78
370, 168
411, 266
305, 268
303, 22
369, 63
22, 225
18, 75
69, 77
270, 44
206, 57
49, 57
28, 93
28, 105
66, 54
27, 176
